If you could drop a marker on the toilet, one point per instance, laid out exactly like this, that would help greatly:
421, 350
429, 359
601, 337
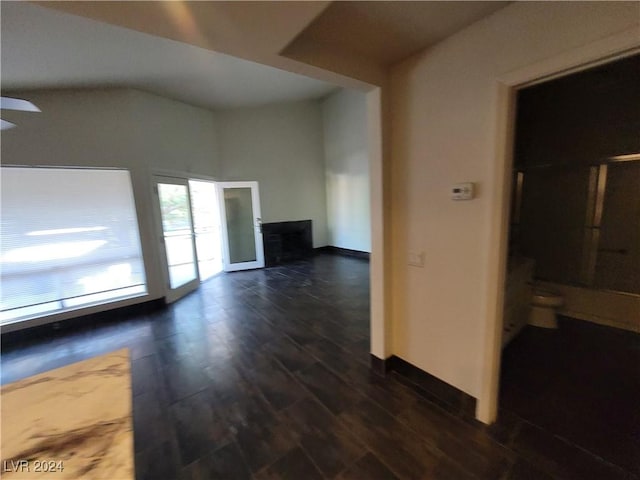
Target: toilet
543, 308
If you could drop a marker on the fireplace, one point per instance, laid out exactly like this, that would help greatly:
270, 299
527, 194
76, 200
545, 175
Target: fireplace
286, 241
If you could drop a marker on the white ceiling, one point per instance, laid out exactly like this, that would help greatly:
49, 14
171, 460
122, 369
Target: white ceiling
44, 48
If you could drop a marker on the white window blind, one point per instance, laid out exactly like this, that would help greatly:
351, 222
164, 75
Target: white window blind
69, 238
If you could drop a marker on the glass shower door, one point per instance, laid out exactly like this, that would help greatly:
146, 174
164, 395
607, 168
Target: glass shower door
617, 265
552, 224
582, 224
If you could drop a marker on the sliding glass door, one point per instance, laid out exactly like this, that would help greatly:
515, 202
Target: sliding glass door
617, 258
582, 224
206, 226
178, 239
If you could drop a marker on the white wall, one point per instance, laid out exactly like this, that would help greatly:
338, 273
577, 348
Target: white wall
443, 131
173, 135
344, 118
280, 146
116, 128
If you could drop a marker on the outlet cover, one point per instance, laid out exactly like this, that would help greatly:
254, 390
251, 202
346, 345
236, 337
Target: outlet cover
416, 259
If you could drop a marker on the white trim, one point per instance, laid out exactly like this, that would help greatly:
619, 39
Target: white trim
604, 50
161, 172
76, 312
487, 404
379, 319
63, 167
610, 48
632, 157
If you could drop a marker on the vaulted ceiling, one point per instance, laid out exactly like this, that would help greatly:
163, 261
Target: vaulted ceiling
220, 54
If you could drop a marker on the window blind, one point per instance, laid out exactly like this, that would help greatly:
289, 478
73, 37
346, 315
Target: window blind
69, 238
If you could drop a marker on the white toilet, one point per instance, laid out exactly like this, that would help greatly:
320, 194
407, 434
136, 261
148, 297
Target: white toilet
543, 308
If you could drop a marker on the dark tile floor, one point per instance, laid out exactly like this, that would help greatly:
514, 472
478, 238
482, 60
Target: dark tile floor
580, 382
265, 374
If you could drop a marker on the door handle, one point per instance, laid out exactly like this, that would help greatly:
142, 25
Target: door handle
259, 224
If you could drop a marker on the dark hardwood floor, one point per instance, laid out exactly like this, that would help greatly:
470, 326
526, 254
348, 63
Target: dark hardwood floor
265, 374
580, 382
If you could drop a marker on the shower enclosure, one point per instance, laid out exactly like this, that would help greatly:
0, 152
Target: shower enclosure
581, 224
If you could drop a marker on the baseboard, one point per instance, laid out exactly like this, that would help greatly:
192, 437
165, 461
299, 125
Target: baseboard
343, 251
379, 365
447, 396
29, 334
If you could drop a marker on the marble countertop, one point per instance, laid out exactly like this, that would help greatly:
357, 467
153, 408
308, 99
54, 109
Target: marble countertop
73, 422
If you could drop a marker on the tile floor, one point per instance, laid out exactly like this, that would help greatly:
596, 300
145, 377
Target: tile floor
265, 374
582, 384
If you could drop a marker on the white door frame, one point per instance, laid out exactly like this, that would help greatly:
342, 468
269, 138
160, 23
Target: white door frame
257, 226
611, 48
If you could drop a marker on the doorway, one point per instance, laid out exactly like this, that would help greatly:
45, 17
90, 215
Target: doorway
574, 232
206, 227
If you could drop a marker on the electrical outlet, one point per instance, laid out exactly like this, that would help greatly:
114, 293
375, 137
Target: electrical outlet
416, 259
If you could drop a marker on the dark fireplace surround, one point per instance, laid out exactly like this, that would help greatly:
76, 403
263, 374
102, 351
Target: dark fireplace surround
287, 241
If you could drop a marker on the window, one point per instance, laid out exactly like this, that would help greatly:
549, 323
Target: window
69, 239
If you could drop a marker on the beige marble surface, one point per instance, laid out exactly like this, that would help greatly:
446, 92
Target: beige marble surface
77, 417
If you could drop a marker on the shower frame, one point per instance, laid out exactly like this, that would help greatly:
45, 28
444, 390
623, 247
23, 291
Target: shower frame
597, 185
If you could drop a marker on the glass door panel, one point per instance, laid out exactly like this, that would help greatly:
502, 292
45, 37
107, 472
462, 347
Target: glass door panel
206, 222
177, 236
237, 205
242, 236
618, 250
552, 221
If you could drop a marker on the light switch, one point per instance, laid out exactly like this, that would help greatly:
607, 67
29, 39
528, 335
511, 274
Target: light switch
416, 259
462, 191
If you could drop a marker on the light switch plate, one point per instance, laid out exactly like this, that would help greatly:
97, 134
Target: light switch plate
462, 191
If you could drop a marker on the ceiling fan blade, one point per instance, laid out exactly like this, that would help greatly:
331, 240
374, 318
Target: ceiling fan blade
8, 103
4, 125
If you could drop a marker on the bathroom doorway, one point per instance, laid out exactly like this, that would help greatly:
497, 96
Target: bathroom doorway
575, 234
